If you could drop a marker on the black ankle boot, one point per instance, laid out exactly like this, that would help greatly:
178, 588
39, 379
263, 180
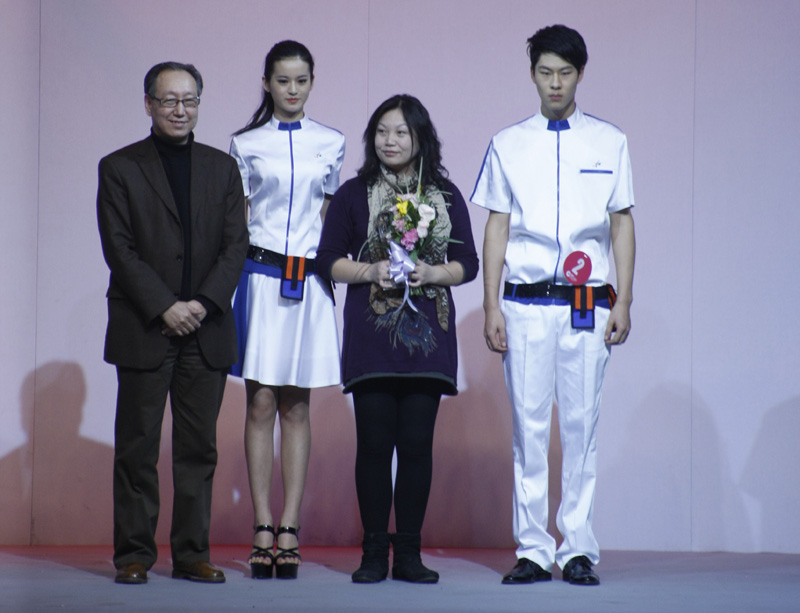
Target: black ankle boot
407, 564
375, 560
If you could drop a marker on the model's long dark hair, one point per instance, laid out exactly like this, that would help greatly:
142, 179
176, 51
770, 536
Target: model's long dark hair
283, 50
423, 134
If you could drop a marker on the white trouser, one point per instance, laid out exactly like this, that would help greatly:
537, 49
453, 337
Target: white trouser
546, 355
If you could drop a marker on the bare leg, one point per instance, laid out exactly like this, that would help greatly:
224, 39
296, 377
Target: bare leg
295, 450
262, 408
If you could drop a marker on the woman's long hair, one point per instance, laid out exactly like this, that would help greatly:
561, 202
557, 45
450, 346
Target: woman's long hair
423, 134
283, 50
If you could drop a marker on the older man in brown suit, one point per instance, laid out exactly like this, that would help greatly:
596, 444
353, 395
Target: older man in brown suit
172, 225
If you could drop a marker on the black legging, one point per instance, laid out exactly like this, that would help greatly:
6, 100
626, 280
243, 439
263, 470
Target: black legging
394, 413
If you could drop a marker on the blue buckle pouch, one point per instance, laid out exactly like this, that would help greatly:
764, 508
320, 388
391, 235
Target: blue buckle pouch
293, 277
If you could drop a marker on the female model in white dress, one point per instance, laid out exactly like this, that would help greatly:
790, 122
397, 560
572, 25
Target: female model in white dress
288, 342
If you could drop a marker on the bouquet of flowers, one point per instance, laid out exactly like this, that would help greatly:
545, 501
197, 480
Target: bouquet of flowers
411, 227
413, 223
407, 229
410, 222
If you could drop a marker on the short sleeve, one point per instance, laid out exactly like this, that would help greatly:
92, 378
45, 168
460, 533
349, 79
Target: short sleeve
492, 190
244, 170
622, 197
332, 181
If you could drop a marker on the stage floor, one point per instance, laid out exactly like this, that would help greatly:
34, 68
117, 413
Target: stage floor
81, 579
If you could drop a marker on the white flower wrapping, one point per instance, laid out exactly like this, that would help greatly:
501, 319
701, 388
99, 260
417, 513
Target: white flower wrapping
426, 215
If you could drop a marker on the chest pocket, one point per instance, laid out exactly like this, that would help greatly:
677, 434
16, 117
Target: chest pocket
596, 185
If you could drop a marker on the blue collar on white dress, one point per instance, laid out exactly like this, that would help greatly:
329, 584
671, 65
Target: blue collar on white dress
558, 125
295, 125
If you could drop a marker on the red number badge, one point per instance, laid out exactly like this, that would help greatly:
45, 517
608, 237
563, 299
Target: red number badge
577, 267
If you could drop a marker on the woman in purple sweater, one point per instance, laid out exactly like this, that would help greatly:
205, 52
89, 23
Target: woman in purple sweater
408, 239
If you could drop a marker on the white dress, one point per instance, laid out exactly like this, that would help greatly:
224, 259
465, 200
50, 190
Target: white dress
287, 169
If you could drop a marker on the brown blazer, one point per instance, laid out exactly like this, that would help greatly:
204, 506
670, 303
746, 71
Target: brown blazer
142, 241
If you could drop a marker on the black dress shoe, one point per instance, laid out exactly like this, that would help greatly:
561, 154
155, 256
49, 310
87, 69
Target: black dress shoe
131, 574
578, 571
204, 572
526, 572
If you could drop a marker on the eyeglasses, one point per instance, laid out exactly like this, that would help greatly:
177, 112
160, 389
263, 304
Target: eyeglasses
171, 103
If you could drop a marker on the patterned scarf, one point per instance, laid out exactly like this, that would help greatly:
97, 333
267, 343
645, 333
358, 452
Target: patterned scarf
406, 325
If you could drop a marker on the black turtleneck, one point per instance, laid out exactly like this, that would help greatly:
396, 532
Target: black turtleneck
177, 161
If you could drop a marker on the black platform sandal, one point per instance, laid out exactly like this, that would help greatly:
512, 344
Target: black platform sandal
287, 570
262, 570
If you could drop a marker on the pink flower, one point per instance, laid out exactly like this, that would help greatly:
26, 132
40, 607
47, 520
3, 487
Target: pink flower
409, 239
399, 225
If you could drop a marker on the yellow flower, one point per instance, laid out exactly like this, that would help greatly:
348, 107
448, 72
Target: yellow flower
402, 206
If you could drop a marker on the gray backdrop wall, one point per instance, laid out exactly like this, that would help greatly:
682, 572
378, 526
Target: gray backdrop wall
698, 441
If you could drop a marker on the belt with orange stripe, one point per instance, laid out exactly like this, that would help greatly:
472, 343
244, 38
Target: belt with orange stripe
294, 269
271, 258
581, 298
570, 293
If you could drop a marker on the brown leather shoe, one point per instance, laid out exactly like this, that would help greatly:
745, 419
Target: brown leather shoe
201, 571
132, 573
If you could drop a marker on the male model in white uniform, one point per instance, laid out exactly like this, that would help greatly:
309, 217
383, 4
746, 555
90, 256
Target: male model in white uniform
558, 188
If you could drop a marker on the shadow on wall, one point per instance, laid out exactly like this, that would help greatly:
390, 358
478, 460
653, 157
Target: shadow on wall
771, 476
68, 500
646, 479
71, 500
719, 517
16, 476
671, 470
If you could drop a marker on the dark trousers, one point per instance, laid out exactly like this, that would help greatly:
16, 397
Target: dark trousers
195, 392
394, 413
